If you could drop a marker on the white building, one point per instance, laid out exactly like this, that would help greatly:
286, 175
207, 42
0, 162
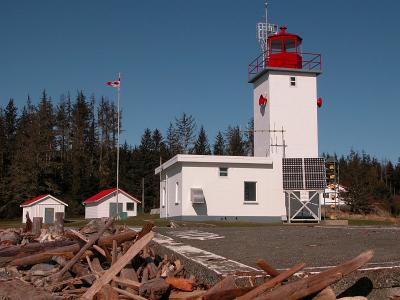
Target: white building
285, 178
44, 206
203, 187
332, 196
104, 204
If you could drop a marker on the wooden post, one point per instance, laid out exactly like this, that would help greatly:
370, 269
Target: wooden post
59, 224
37, 225
142, 195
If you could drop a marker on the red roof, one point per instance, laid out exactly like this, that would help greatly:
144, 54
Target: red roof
38, 198
105, 193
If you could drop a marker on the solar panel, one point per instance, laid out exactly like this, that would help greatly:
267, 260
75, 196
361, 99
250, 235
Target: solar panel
303, 173
292, 173
315, 173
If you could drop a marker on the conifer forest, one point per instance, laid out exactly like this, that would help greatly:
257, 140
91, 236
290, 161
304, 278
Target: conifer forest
68, 147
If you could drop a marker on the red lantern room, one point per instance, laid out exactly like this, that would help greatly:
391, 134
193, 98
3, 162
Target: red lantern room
284, 50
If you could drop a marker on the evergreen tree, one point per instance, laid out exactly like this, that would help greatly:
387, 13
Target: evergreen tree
236, 144
159, 145
201, 145
185, 130
10, 127
23, 182
2, 153
219, 145
63, 124
250, 138
80, 130
173, 145
46, 147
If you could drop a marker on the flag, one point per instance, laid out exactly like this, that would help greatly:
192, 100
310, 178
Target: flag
116, 83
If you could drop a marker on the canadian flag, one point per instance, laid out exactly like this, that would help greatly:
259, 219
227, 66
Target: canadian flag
116, 83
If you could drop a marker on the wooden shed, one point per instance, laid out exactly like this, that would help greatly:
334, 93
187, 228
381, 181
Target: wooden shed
104, 204
44, 206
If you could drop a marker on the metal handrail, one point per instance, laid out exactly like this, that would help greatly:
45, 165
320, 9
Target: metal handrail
310, 61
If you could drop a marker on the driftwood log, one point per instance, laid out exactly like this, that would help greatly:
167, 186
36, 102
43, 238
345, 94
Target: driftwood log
272, 282
304, 287
262, 264
45, 256
119, 238
31, 248
117, 267
226, 289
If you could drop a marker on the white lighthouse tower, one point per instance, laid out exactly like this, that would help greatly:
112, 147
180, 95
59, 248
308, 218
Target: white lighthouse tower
285, 178
285, 98
285, 108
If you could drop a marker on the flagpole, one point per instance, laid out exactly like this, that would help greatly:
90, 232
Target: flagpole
118, 97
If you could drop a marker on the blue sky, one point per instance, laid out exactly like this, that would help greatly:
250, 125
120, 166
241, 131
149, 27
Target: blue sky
192, 56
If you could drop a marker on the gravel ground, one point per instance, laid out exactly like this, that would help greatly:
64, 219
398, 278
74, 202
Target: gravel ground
284, 246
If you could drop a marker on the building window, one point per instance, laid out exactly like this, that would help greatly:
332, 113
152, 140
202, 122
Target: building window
250, 191
292, 81
223, 172
130, 206
176, 192
163, 197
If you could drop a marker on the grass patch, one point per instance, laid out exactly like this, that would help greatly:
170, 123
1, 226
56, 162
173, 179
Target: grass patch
11, 223
366, 222
139, 220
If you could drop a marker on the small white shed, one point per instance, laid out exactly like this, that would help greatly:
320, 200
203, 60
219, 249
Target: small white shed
44, 206
104, 204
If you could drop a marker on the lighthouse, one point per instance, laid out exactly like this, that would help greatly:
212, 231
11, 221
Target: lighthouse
285, 178
285, 99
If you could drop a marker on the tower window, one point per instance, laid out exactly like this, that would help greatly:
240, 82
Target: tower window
223, 172
292, 81
250, 191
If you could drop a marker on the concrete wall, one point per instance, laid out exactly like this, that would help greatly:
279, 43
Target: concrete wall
293, 108
37, 209
224, 196
101, 209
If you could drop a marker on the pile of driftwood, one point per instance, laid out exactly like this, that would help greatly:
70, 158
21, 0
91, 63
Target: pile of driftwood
290, 284
105, 261
99, 261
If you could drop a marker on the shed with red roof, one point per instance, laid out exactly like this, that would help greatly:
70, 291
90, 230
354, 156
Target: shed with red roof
44, 206
104, 204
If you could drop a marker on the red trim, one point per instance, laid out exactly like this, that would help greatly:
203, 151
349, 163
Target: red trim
262, 101
36, 199
319, 102
104, 193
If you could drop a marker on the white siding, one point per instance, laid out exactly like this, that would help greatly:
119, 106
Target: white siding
37, 209
293, 108
168, 181
224, 196
101, 209
90, 211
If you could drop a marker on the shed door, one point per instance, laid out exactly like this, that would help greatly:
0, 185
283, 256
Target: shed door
113, 209
49, 215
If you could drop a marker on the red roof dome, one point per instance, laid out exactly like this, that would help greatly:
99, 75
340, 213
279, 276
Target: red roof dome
284, 50
283, 33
